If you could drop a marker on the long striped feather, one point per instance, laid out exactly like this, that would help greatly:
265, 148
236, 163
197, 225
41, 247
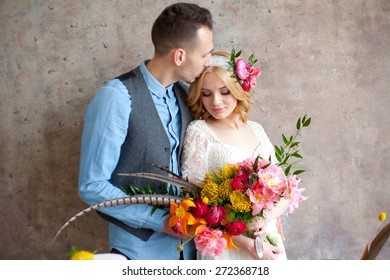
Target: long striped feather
150, 199
178, 182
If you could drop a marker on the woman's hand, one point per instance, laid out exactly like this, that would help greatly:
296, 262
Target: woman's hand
270, 252
248, 244
257, 225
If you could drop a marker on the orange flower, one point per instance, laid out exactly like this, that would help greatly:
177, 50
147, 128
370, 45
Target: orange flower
180, 215
198, 225
230, 244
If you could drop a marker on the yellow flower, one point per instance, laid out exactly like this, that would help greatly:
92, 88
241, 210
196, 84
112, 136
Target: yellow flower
228, 171
240, 201
82, 255
210, 191
225, 188
76, 254
382, 216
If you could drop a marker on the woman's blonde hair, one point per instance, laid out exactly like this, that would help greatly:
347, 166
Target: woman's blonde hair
235, 88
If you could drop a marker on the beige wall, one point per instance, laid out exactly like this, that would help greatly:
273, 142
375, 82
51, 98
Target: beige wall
329, 59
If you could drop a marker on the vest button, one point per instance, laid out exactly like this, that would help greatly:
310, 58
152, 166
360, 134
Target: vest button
166, 149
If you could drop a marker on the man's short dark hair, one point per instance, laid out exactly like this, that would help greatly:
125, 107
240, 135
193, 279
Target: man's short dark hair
177, 25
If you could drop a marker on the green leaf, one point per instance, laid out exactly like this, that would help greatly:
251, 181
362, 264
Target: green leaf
297, 155
265, 166
255, 165
294, 144
153, 210
297, 172
124, 190
285, 140
307, 122
271, 239
299, 124
134, 190
277, 149
166, 213
287, 170
278, 157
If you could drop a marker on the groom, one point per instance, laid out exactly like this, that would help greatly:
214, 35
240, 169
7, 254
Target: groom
140, 118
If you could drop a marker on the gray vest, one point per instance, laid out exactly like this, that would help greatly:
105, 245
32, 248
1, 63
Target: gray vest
147, 142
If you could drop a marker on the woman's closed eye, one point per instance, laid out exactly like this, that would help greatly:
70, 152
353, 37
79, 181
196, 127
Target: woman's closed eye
207, 93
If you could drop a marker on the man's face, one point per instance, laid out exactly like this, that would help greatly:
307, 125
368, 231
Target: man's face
199, 57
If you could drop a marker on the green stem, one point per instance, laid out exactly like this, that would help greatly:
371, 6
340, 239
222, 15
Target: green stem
180, 247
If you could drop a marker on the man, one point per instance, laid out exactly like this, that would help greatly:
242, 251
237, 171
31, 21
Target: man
138, 119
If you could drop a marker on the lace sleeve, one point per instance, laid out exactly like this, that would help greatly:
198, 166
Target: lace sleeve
194, 163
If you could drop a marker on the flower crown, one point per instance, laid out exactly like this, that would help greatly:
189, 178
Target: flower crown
243, 70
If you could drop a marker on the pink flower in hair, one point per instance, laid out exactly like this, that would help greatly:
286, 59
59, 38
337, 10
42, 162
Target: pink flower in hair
243, 69
246, 73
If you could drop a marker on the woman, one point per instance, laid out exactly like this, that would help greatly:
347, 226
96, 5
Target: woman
221, 133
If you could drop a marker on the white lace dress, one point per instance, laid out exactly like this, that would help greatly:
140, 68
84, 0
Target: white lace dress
205, 152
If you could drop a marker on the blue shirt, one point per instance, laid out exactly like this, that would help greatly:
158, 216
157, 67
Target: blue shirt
105, 130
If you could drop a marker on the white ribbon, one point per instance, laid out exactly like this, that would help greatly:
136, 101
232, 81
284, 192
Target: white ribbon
220, 61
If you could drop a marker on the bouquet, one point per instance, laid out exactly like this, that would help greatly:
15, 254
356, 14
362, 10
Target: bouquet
233, 200
229, 202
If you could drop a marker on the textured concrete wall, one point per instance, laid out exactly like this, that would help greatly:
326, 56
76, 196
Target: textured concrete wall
329, 59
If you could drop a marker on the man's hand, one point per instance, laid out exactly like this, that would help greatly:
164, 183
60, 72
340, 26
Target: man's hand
169, 230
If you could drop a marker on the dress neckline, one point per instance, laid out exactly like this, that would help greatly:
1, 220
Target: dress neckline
218, 138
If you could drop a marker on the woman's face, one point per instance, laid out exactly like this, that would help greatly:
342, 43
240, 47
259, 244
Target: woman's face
216, 97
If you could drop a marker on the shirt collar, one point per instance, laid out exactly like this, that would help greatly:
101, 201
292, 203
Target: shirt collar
155, 86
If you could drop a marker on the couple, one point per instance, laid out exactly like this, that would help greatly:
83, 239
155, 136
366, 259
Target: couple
140, 118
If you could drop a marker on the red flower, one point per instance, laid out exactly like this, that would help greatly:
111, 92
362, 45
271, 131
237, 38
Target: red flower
240, 182
214, 215
200, 209
236, 228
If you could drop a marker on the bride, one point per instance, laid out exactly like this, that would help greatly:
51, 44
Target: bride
220, 134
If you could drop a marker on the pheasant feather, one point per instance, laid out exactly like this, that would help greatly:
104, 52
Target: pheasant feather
150, 199
175, 181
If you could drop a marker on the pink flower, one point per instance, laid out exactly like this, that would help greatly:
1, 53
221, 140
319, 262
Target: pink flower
294, 193
200, 209
246, 85
252, 78
273, 178
255, 72
247, 166
240, 182
261, 198
176, 228
243, 69
236, 228
210, 242
214, 215
246, 73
